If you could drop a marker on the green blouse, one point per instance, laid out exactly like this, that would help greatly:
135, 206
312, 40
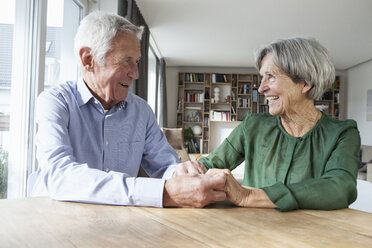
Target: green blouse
315, 171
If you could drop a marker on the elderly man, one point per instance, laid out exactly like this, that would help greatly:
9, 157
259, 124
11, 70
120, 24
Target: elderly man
94, 134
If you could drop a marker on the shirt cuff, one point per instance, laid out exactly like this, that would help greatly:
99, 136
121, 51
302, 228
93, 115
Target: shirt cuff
148, 192
169, 172
281, 196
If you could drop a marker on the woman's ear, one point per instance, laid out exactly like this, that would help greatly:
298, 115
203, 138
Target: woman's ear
86, 58
306, 88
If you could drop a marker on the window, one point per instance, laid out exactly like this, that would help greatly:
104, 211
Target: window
43, 48
60, 62
7, 12
152, 81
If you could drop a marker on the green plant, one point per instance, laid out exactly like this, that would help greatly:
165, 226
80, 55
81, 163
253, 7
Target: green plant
3, 173
188, 134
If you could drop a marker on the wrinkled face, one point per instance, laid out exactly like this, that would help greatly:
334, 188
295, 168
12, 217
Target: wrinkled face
112, 81
282, 93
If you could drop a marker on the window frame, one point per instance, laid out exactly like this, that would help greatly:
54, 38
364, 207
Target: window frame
29, 41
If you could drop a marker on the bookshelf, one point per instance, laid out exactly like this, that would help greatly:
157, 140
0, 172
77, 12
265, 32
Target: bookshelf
208, 97
330, 102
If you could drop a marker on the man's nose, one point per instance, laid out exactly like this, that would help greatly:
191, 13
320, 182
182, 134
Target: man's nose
133, 73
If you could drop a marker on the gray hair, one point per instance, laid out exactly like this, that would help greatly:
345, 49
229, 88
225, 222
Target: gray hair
98, 29
303, 60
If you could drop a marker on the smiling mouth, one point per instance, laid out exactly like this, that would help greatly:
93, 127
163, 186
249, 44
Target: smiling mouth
272, 98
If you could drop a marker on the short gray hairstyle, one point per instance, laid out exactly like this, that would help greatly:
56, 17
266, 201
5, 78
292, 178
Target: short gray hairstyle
303, 60
98, 29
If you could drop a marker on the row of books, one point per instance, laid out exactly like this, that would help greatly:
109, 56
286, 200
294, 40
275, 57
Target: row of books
220, 115
244, 102
193, 97
195, 146
263, 108
194, 77
244, 89
220, 78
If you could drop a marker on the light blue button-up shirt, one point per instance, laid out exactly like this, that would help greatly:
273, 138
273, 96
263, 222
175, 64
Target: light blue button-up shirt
87, 155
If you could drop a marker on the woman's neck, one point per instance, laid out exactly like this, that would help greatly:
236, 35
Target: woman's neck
297, 122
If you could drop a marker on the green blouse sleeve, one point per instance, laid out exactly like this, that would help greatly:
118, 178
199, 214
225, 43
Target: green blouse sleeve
335, 189
229, 154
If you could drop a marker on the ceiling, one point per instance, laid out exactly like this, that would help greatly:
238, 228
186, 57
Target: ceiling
226, 33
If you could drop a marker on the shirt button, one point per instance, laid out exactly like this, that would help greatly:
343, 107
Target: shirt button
106, 142
107, 169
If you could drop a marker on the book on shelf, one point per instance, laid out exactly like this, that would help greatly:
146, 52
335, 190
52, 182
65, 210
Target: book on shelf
244, 102
206, 121
233, 96
255, 96
233, 109
193, 96
219, 78
220, 115
245, 88
179, 120
194, 77
179, 105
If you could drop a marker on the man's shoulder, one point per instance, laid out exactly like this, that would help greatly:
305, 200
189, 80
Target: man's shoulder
135, 100
62, 90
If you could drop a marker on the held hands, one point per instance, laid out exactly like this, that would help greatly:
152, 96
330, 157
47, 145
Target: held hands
190, 187
194, 190
241, 195
234, 191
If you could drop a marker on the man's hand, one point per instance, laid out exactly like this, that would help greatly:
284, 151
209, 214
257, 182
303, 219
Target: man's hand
194, 190
189, 168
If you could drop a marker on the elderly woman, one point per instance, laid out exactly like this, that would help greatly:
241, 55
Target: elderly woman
295, 156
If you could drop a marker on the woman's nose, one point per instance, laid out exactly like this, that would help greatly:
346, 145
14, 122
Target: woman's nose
263, 86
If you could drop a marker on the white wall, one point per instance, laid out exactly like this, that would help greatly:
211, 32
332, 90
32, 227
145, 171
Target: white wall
360, 80
104, 5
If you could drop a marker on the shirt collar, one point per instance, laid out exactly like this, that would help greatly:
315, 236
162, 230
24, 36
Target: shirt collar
85, 94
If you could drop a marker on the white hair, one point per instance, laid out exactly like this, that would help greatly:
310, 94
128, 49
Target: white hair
303, 60
98, 29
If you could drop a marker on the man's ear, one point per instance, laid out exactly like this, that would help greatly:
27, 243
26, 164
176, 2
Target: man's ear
306, 88
86, 58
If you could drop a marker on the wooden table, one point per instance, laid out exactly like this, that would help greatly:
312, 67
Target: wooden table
42, 222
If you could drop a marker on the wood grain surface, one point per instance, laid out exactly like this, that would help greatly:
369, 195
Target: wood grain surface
43, 222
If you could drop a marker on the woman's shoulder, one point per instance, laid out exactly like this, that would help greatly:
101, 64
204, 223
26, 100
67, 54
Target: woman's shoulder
333, 123
260, 121
260, 118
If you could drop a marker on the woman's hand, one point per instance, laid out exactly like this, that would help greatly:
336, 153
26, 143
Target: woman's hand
241, 195
234, 191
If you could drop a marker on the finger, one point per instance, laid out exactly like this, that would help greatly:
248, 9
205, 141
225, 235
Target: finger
202, 168
180, 170
217, 195
214, 171
217, 182
192, 169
